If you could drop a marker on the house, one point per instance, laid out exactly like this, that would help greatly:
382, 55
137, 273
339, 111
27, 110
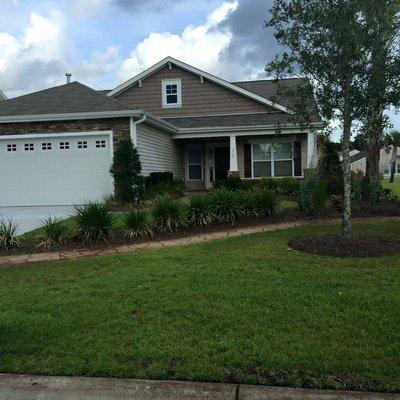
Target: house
57, 144
2, 96
358, 162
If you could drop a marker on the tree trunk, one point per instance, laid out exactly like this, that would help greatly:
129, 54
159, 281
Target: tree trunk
346, 216
372, 157
393, 167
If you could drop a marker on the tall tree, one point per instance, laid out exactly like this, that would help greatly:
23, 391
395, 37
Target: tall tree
392, 140
381, 22
323, 39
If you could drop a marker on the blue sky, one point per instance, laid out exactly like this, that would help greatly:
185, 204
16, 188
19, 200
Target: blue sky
104, 42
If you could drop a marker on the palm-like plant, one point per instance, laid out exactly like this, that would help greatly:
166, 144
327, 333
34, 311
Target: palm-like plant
393, 139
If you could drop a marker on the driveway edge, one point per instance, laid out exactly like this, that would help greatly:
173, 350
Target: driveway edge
28, 387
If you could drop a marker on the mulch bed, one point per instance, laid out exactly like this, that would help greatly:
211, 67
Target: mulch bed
339, 246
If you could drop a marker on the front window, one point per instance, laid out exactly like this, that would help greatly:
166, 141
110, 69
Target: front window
171, 93
195, 162
272, 160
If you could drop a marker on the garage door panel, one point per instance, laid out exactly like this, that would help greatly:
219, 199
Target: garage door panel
63, 175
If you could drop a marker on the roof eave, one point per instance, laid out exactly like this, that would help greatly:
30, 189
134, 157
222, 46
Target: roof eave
126, 85
69, 116
189, 133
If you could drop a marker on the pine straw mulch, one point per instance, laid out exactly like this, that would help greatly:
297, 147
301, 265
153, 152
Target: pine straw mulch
352, 247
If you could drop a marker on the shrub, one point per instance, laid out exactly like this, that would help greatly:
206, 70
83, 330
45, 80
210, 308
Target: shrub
313, 194
138, 223
200, 211
94, 221
247, 204
169, 214
8, 235
289, 186
232, 183
357, 182
270, 184
55, 232
126, 170
175, 188
155, 178
266, 203
226, 206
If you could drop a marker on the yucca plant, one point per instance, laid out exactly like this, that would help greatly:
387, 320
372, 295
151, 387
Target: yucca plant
55, 232
169, 214
94, 221
200, 211
226, 206
247, 204
266, 203
138, 223
8, 234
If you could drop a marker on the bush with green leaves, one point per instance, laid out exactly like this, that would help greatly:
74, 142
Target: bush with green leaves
8, 235
94, 221
313, 194
175, 188
232, 183
289, 186
271, 184
169, 214
55, 232
200, 211
247, 204
138, 223
126, 169
226, 206
266, 203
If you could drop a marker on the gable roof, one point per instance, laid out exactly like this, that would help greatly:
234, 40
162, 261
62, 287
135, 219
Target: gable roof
2, 96
69, 98
235, 88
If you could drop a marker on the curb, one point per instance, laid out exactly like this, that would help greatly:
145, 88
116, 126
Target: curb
28, 387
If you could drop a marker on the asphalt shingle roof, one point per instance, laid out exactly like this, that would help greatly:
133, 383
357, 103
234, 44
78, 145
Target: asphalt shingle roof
70, 98
233, 120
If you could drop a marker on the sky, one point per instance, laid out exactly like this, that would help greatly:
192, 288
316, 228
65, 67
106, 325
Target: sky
105, 42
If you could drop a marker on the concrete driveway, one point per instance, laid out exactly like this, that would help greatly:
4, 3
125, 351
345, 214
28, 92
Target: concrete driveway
28, 218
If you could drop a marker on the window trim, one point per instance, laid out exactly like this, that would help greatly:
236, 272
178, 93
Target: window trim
194, 147
178, 83
272, 159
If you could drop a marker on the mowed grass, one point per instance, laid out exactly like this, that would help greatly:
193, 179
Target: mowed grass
395, 186
244, 309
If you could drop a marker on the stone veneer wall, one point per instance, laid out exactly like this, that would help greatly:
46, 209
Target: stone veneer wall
120, 127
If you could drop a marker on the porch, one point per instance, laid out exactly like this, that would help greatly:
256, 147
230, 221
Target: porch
209, 159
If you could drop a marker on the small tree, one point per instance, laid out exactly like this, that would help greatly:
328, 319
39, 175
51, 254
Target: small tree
323, 39
393, 140
126, 169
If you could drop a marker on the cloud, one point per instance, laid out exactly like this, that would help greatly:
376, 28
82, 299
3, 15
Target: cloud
83, 8
37, 54
199, 45
43, 53
156, 6
252, 45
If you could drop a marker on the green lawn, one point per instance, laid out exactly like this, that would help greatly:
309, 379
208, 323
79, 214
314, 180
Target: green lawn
242, 309
395, 186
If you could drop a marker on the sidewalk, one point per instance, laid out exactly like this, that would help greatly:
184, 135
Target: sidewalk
25, 387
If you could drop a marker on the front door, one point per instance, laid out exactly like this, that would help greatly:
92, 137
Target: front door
221, 155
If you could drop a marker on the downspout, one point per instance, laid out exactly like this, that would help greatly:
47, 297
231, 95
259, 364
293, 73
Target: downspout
133, 128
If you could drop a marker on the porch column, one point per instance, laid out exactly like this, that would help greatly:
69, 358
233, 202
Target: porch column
233, 164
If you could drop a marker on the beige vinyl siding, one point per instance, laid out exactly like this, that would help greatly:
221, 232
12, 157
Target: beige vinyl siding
302, 137
197, 98
159, 153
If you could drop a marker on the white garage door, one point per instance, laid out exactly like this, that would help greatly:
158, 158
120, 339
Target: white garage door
54, 169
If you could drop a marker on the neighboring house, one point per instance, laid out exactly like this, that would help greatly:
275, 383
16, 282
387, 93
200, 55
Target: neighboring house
358, 162
2, 96
57, 144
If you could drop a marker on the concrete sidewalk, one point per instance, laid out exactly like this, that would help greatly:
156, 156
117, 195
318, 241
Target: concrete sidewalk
25, 387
